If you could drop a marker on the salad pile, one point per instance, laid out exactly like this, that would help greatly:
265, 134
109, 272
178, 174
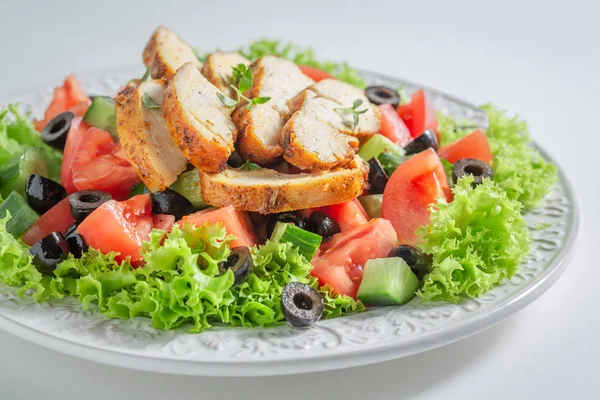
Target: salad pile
256, 187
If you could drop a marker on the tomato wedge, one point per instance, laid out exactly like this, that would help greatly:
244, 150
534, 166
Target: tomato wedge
68, 97
475, 145
412, 188
56, 219
392, 126
341, 259
92, 160
315, 74
349, 214
236, 223
419, 115
120, 226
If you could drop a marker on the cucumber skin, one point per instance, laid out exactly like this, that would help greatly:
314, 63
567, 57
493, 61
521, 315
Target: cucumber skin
387, 281
102, 114
21, 215
307, 242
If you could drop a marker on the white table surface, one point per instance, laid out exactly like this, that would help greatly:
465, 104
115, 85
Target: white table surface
539, 58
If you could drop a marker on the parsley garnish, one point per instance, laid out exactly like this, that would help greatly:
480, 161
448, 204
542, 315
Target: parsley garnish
242, 82
146, 75
149, 102
249, 166
354, 111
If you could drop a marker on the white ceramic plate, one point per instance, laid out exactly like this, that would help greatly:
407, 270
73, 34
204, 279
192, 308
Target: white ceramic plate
377, 335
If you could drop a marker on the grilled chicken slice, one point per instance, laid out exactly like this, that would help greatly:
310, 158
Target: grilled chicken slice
268, 191
199, 122
261, 125
217, 69
319, 134
166, 52
145, 136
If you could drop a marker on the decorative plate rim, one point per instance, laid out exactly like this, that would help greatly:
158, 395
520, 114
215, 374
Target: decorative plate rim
305, 358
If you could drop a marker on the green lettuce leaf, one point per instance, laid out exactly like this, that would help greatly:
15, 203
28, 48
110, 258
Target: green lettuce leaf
262, 47
476, 241
518, 167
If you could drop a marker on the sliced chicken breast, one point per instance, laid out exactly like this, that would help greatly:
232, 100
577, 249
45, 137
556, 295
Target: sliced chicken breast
261, 125
217, 69
166, 52
320, 134
198, 121
267, 191
145, 136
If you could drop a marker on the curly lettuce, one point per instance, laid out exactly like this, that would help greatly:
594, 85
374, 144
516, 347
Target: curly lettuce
262, 47
518, 167
476, 241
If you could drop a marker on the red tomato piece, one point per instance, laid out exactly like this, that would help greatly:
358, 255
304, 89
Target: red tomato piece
341, 259
163, 221
349, 214
56, 219
412, 188
68, 97
392, 126
475, 145
93, 161
236, 223
315, 74
120, 226
419, 115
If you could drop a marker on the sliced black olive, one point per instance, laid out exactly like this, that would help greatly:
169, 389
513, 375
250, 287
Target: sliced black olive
235, 160
323, 225
240, 262
282, 217
55, 131
382, 95
77, 244
70, 230
43, 193
423, 142
302, 305
85, 202
415, 259
48, 252
377, 176
170, 202
471, 166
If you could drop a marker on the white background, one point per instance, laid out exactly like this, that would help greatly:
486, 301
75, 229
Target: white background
539, 58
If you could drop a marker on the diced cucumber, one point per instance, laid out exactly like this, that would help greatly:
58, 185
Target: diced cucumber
102, 114
377, 145
21, 215
307, 242
387, 281
188, 185
372, 204
14, 174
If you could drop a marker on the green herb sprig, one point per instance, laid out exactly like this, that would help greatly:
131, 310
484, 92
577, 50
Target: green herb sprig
149, 102
249, 166
354, 111
241, 82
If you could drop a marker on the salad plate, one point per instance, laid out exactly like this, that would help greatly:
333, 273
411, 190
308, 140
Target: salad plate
379, 334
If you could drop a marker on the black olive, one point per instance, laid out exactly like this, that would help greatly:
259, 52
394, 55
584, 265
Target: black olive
170, 202
377, 176
423, 142
235, 160
77, 244
323, 225
70, 229
43, 193
415, 259
382, 95
85, 202
55, 131
302, 305
240, 262
471, 166
282, 217
48, 252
